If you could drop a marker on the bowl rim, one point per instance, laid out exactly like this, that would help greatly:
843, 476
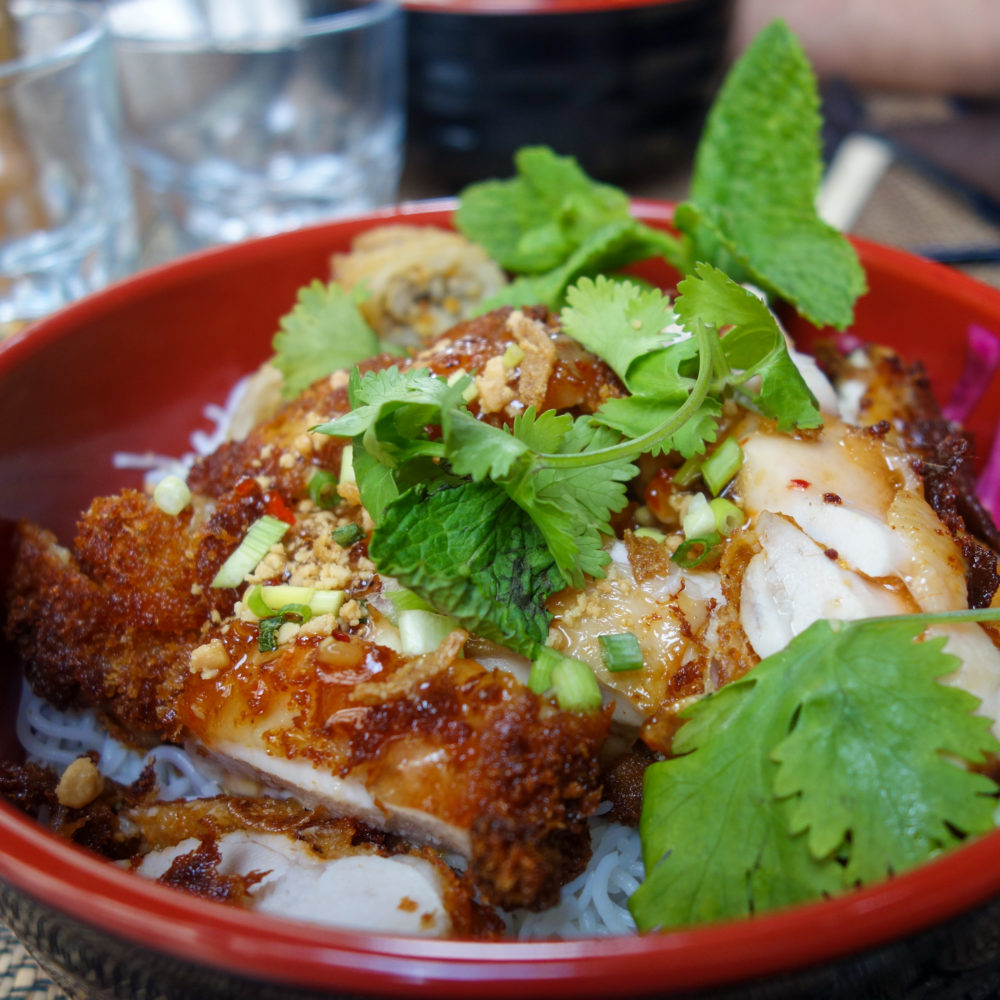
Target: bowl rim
89, 889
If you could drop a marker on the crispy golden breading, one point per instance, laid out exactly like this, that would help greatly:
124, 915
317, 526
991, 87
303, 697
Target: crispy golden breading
455, 756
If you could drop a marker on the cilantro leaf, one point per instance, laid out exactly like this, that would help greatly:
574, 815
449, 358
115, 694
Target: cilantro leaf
377, 393
572, 505
551, 224
628, 327
323, 333
505, 570
609, 248
635, 416
764, 807
757, 169
618, 321
881, 725
754, 346
534, 221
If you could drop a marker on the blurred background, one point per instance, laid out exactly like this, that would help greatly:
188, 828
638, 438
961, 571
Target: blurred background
237, 118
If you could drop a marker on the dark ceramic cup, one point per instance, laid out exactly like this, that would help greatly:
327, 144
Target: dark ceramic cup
623, 85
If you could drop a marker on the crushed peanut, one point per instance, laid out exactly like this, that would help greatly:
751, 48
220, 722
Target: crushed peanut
350, 493
494, 393
80, 784
207, 660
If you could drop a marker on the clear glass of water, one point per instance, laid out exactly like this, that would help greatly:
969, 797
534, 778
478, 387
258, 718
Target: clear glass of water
250, 117
66, 212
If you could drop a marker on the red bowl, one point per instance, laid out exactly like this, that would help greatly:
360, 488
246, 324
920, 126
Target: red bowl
131, 368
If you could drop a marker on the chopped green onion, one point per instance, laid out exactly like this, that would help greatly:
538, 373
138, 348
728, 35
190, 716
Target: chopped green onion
279, 594
323, 489
720, 467
263, 533
654, 533
298, 613
575, 686
347, 465
385, 634
254, 600
470, 392
326, 602
346, 535
423, 631
171, 495
540, 678
620, 651
266, 601
694, 551
728, 517
688, 471
408, 600
699, 519
267, 637
513, 356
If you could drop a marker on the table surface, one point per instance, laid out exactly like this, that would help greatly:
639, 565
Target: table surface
907, 208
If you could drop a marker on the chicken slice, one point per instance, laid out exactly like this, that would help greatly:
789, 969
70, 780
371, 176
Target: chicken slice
269, 855
845, 532
401, 894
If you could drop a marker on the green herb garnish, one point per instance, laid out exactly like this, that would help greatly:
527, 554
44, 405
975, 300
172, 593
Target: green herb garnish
620, 652
832, 762
322, 487
324, 332
751, 209
483, 523
623, 324
346, 535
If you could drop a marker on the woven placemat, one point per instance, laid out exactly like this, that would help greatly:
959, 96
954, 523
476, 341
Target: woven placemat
20, 977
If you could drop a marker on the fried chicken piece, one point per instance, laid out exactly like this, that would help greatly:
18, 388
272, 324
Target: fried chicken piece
897, 400
445, 751
269, 855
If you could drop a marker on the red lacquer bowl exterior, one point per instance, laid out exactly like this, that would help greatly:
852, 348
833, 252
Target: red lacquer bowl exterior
131, 369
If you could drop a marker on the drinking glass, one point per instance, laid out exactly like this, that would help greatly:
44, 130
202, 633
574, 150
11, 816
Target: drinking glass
66, 212
250, 117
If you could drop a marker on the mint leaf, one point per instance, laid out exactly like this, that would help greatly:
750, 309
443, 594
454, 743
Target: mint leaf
572, 506
473, 554
757, 170
754, 815
323, 333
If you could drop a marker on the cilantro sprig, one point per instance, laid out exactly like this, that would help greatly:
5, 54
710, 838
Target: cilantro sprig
751, 210
483, 522
323, 332
624, 324
831, 763
437, 481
